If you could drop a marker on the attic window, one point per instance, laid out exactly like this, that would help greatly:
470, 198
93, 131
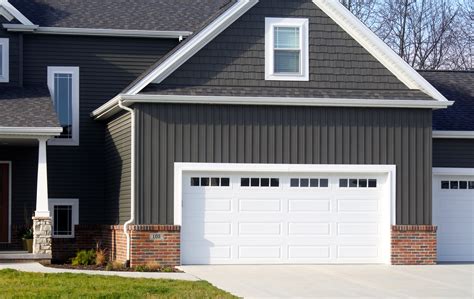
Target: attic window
286, 49
4, 60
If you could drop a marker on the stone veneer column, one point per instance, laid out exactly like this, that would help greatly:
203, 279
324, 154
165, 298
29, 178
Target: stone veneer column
42, 235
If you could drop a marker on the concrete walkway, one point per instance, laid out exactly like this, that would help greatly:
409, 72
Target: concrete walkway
341, 281
38, 268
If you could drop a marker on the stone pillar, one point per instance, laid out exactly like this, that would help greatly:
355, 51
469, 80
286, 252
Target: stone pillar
414, 245
42, 235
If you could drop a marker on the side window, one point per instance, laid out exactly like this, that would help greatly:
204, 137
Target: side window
65, 215
63, 83
4, 60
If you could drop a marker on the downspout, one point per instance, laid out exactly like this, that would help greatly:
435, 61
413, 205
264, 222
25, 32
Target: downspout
132, 183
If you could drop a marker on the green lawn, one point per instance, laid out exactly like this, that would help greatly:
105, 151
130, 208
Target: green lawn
14, 284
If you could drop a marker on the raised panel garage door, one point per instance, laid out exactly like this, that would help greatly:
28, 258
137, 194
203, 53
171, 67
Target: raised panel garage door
453, 213
283, 218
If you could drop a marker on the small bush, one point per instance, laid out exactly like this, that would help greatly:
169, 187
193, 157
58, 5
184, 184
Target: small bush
100, 257
84, 258
142, 268
114, 265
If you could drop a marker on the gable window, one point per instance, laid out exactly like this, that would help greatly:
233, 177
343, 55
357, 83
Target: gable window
286, 49
63, 83
4, 60
65, 215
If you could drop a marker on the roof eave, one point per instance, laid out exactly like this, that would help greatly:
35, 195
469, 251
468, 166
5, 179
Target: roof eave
29, 132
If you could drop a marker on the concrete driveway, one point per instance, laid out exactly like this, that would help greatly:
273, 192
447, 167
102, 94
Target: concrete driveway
374, 281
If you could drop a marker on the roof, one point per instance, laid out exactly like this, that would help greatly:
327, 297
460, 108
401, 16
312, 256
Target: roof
158, 89
27, 107
157, 15
456, 86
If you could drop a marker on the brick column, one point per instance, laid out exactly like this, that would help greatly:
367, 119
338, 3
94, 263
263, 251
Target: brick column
42, 235
414, 245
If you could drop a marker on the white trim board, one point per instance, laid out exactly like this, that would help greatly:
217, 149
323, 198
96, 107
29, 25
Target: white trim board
74, 203
388, 170
335, 10
9, 163
437, 171
111, 107
11, 11
30, 131
453, 134
5, 71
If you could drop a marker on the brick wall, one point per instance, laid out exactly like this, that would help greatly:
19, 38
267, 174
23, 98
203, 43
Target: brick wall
414, 245
163, 249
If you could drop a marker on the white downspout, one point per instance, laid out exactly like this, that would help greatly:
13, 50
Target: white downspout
132, 175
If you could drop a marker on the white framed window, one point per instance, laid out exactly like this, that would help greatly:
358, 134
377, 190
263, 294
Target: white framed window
63, 84
4, 60
64, 215
286, 49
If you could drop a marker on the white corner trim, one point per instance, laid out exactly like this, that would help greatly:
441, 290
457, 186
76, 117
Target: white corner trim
303, 25
389, 191
30, 131
194, 45
15, 12
453, 134
74, 71
452, 171
74, 203
375, 46
5, 71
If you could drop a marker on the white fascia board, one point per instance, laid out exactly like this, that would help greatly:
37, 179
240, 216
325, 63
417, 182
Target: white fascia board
452, 171
453, 134
110, 108
194, 45
377, 48
15, 12
30, 131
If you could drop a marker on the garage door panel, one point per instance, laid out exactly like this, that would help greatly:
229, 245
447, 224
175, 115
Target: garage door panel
260, 252
260, 205
308, 229
263, 229
309, 252
309, 205
357, 252
354, 228
358, 205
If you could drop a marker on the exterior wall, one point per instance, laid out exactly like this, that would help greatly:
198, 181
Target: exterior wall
237, 56
414, 245
107, 65
296, 135
118, 167
453, 153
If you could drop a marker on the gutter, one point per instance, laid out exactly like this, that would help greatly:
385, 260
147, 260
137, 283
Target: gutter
453, 134
132, 183
30, 131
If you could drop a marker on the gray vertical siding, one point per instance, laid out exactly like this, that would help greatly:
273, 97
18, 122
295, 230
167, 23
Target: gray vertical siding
296, 135
457, 153
118, 167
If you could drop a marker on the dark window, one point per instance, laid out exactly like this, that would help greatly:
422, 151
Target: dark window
323, 183
454, 185
372, 183
215, 182
444, 184
314, 183
304, 183
255, 182
363, 183
194, 181
265, 182
343, 183
225, 182
471, 185
244, 182
62, 220
353, 183
204, 181
294, 182
275, 182
463, 185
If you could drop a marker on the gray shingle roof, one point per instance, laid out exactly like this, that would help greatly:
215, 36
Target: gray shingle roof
285, 92
161, 15
26, 107
458, 87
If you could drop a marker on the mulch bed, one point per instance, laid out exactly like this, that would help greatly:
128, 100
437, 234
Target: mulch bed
166, 269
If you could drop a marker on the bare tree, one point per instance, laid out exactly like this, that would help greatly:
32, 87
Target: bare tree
362, 9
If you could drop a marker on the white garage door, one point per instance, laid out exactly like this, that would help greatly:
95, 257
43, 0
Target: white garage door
274, 218
453, 213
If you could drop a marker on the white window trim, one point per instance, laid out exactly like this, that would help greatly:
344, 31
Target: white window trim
74, 202
74, 71
270, 24
5, 74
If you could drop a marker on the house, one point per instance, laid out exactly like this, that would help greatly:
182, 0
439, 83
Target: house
227, 132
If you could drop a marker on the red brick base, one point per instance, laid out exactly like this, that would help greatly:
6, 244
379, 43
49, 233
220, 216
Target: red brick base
149, 243
414, 245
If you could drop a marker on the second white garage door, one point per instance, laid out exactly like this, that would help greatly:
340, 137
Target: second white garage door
275, 218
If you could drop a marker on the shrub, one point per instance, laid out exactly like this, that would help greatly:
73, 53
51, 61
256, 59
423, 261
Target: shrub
84, 258
114, 265
100, 257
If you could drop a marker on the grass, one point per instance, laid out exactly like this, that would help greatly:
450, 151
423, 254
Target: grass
14, 284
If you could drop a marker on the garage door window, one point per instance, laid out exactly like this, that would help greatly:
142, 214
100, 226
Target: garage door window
260, 182
309, 183
457, 185
210, 182
357, 183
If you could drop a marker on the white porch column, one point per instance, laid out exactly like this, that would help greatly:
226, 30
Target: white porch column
42, 206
